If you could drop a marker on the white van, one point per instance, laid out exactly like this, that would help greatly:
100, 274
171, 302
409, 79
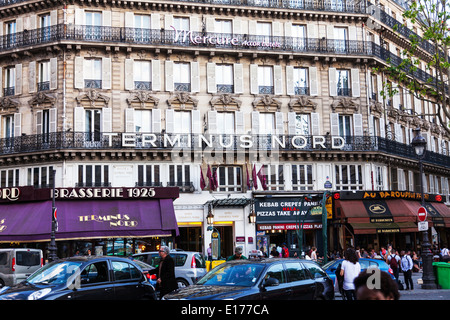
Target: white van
18, 264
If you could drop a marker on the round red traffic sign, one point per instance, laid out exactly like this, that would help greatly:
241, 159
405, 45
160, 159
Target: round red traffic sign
422, 213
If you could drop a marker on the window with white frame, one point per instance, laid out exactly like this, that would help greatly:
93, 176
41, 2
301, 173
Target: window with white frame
142, 32
93, 175
225, 122
265, 80
229, 178
9, 178
40, 177
223, 26
142, 75
182, 122
379, 181
182, 76
264, 31
266, 123
298, 36
343, 82
10, 32
302, 177
301, 86
181, 23
92, 69
143, 121
341, 37
224, 78
179, 175
149, 175
44, 75
93, 24
302, 124
10, 81
93, 118
345, 125
274, 175
44, 24
348, 177
8, 126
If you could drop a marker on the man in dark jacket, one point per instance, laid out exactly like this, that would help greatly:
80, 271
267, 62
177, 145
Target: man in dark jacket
165, 272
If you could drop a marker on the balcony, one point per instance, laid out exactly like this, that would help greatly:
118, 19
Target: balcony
238, 42
61, 141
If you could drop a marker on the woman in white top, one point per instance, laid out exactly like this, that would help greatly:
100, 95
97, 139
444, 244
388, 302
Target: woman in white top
350, 269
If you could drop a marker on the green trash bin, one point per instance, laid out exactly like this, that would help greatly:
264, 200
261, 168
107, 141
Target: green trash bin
442, 273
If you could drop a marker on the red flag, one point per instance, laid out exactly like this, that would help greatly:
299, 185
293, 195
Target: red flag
254, 178
262, 178
212, 185
202, 179
249, 186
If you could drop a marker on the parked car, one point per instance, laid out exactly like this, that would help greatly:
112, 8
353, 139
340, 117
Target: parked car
331, 266
145, 269
83, 278
189, 265
271, 279
18, 264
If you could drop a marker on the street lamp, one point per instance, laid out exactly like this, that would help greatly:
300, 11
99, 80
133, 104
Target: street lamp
419, 144
52, 247
252, 215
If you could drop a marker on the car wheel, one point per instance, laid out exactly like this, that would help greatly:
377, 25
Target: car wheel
182, 283
2, 283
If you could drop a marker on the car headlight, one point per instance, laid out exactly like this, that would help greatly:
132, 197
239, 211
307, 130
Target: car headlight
39, 294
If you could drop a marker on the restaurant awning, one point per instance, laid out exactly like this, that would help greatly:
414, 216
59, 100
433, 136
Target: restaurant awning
84, 219
373, 228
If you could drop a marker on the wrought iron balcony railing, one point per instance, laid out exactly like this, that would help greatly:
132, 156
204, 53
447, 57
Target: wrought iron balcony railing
200, 143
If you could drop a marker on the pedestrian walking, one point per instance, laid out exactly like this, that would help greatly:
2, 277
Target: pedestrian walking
285, 251
350, 269
165, 273
209, 252
314, 254
394, 263
407, 265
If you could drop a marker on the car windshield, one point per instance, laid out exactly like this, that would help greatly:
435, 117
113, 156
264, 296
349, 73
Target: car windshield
55, 273
233, 275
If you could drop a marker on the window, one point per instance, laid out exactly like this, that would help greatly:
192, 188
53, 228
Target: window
342, 77
302, 177
93, 176
143, 121
8, 126
274, 176
95, 273
345, 125
181, 23
92, 69
265, 80
149, 175
40, 177
44, 75
142, 75
277, 272
45, 31
315, 270
224, 78
340, 42
229, 178
182, 121
301, 81
9, 178
182, 76
93, 27
349, 177
92, 124
10, 81
142, 28
264, 31
302, 124
10, 33
180, 175
225, 123
379, 184
295, 271
125, 271
266, 123
223, 26
298, 37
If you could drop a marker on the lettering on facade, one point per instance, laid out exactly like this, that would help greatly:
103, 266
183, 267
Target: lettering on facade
118, 220
11, 194
3, 225
86, 193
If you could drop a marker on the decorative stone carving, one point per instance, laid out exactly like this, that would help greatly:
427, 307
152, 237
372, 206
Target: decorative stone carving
93, 96
42, 98
142, 97
302, 102
227, 101
182, 98
345, 104
266, 101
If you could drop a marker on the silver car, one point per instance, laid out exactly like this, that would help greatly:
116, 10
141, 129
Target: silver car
189, 266
18, 264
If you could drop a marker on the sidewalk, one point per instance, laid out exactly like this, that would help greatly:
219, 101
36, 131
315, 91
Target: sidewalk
422, 294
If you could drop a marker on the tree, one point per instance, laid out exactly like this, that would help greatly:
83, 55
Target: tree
432, 18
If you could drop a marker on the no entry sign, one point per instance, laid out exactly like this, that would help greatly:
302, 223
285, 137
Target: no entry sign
422, 214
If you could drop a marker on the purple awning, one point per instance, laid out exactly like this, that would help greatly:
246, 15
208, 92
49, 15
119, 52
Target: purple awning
88, 219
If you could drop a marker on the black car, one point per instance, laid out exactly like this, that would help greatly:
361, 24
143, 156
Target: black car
83, 278
272, 279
